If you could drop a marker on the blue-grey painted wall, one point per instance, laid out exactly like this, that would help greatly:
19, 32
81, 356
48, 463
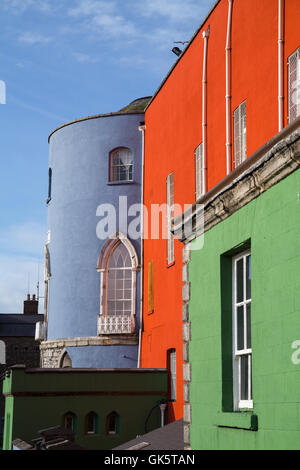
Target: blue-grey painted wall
79, 159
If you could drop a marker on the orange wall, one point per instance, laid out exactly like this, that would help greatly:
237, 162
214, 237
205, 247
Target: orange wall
174, 130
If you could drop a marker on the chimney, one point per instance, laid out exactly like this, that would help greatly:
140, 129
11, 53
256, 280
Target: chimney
31, 306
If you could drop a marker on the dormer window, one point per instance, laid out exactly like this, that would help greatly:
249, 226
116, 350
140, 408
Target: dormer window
121, 165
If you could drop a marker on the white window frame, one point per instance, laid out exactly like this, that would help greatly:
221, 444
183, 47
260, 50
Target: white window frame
110, 324
240, 134
294, 85
2, 352
246, 351
128, 166
170, 216
199, 170
173, 380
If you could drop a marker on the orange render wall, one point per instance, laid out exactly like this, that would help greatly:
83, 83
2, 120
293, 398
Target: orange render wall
174, 129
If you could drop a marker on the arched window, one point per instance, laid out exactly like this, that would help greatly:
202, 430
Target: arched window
121, 165
65, 361
91, 423
69, 421
118, 264
112, 423
119, 282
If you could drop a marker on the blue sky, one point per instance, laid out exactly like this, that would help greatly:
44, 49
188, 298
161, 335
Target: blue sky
61, 60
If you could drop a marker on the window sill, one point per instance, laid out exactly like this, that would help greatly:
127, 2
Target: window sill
239, 420
116, 183
170, 264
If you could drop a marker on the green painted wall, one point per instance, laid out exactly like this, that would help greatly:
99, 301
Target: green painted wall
49, 395
272, 224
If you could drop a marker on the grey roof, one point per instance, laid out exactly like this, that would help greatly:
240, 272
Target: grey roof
169, 437
18, 324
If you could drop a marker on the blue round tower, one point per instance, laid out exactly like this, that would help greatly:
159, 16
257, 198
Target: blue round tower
93, 249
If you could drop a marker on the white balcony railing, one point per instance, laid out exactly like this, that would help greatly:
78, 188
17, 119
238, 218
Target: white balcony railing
115, 324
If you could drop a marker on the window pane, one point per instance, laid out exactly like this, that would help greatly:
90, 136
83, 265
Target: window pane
121, 164
240, 328
248, 314
244, 378
248, 277
240, 280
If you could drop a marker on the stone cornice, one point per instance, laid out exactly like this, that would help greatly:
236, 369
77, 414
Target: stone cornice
262, 171
110, 340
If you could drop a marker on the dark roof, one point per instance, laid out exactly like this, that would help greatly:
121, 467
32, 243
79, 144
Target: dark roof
135, 107
56, 438
18, 324
169, 437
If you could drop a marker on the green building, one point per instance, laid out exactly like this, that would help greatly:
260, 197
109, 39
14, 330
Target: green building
241, 307
104, 407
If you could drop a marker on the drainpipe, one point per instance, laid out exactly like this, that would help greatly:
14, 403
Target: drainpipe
205, 35
228, 88
280, 63
142, 129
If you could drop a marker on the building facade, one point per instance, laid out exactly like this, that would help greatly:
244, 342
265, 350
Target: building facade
18, 344
232, 89
102, 407
93, 254
242, 325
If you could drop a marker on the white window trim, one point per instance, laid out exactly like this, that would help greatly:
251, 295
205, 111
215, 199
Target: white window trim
294, 90
170, 216
111, 166
238, 403
102, 268
240, 137
173, 375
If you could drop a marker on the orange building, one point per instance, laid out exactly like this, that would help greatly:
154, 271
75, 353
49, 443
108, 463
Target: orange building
234, 87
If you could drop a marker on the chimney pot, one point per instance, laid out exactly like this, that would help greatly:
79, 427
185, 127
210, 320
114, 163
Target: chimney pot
31, 307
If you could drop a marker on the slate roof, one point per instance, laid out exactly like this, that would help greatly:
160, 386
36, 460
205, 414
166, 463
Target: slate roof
55, 438
169, 437
18, 324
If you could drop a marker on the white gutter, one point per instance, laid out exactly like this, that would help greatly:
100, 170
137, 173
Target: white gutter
205, 35
228, 88
141, 129
280, 63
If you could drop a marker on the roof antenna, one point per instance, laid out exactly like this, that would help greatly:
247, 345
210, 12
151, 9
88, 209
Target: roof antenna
38, 284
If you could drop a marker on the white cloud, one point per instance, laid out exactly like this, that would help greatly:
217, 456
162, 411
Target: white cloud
19, 6
85, 58
92, 7
17, 273
177, 11
21, 264
102, 18
30, 38
27, 239
37, 110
